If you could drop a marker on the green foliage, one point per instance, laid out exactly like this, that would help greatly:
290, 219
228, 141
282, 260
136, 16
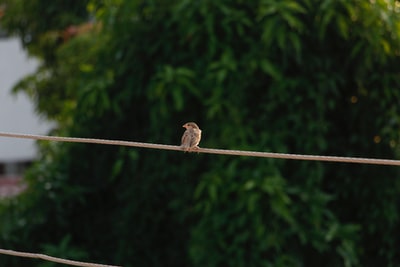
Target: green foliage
312, 77
37, 22
63, 250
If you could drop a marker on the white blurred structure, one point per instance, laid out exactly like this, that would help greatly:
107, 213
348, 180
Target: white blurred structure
16, 111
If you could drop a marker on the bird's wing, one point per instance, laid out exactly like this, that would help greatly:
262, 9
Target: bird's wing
186, 139
195, 136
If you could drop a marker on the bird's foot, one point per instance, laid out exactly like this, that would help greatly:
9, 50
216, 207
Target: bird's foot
190, 149
194, 149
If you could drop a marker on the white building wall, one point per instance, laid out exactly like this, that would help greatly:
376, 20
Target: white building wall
17, 111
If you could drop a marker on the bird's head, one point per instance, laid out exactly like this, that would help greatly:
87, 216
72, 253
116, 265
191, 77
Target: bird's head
189, 125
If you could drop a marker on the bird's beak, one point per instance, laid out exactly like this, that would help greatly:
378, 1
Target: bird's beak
184, 126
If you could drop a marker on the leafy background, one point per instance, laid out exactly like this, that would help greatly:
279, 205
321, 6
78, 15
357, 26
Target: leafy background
310, 77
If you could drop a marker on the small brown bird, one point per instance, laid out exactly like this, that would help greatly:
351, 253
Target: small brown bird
191, 137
